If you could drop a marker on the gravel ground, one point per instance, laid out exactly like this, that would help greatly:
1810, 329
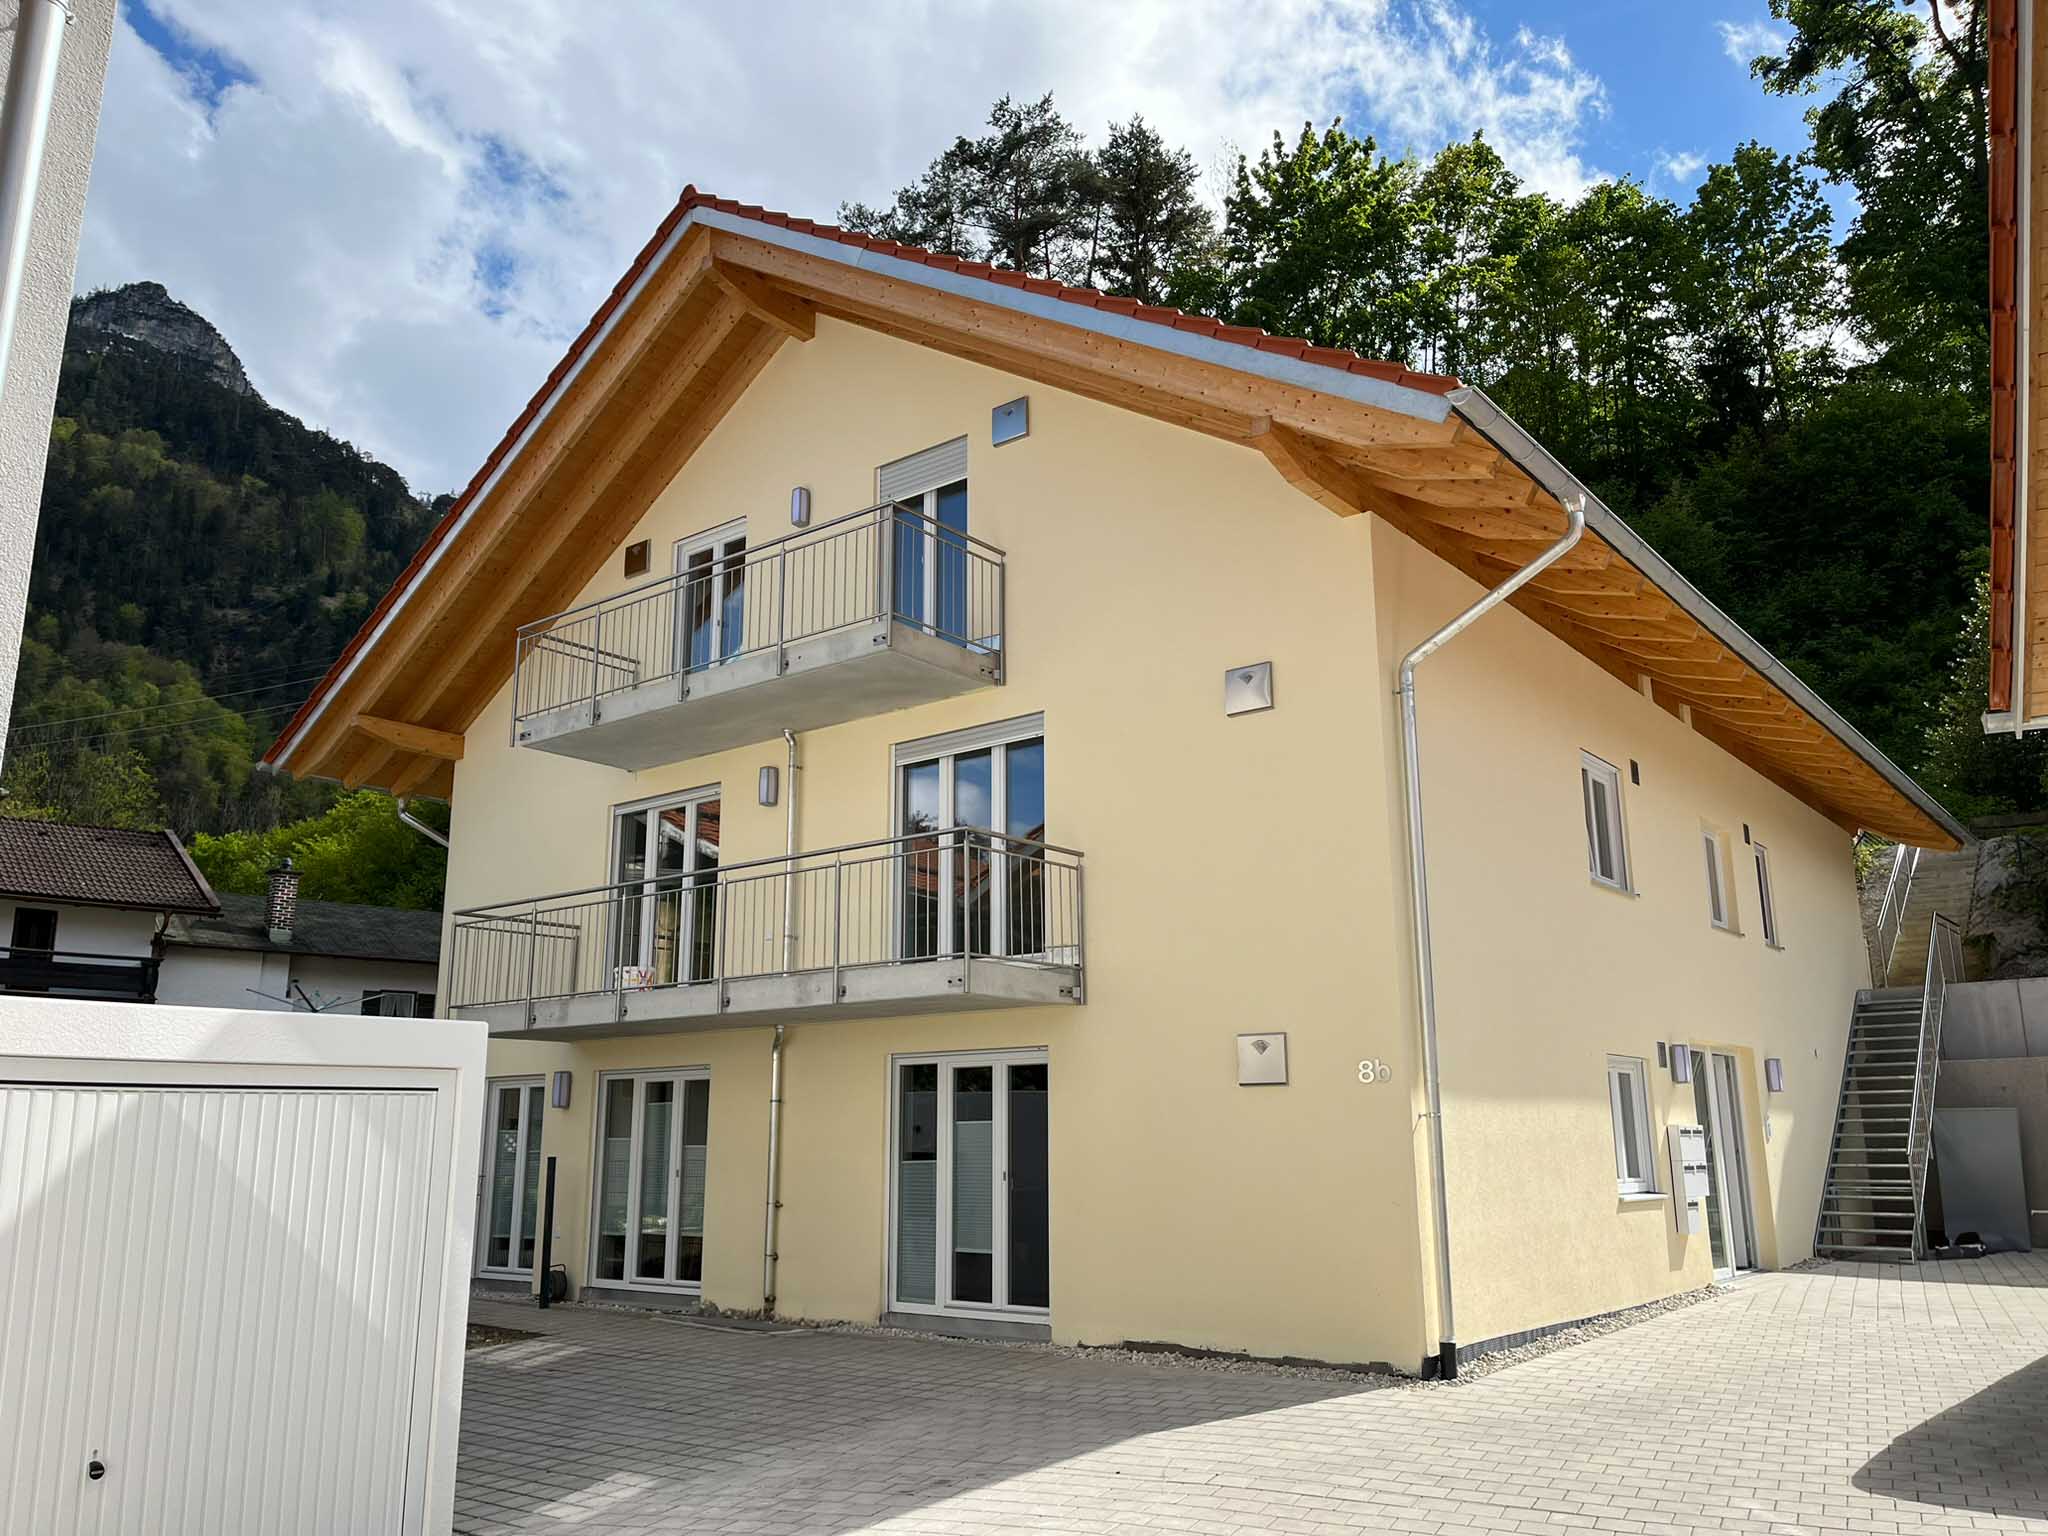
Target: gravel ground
1364, 1378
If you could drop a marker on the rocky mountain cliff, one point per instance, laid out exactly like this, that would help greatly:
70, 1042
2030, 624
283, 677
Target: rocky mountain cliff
146, 314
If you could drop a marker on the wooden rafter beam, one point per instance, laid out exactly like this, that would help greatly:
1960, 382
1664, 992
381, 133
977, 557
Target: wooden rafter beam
407, 737
1310, 470
414, 774
785, 311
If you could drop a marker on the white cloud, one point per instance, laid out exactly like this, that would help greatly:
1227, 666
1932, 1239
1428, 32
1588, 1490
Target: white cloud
1677, 166
403, 212
1743, 41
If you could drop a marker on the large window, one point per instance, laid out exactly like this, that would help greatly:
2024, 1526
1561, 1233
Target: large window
933, 572
664, 918
653, 1141
1606, 846
973, 808
711, 603
1766, 898
1628, 1102
511, 1222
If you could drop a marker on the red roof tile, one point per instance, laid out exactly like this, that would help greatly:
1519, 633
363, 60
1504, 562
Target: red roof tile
1249, 336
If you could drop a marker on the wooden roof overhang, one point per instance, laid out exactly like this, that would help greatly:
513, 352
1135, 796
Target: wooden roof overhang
721, 288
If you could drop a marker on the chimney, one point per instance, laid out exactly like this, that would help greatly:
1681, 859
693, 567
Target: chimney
281, 912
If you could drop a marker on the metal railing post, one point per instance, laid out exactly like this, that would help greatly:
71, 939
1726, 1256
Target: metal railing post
532, 956
838, 911
596, 658
781, 607
885, 568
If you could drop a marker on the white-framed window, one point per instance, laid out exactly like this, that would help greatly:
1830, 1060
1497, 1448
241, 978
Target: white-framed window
1606, 842
663, 920
399, 1005
1720, 906
508, 1217
711, 597
653, 1140
973, 875
1766, 898
1628, 1101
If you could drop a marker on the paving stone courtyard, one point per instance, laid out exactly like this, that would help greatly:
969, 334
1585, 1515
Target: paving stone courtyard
1896, 1399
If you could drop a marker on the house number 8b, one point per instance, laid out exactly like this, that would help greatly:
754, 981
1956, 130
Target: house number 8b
1372, 1070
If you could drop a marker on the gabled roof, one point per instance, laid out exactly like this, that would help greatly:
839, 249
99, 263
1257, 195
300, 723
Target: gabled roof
341, 930
723, 285
99, 867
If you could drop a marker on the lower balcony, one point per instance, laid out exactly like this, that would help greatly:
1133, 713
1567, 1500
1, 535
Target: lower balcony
933, 922
78, 974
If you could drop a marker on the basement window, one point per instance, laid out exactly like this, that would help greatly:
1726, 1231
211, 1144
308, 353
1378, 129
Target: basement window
1606, 847
1629, 1102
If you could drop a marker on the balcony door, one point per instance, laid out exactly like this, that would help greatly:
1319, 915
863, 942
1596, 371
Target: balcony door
511, 1177
1717, 1101
972, 891
711, 597
970, 1184
653, 1140
664, 917
930, 551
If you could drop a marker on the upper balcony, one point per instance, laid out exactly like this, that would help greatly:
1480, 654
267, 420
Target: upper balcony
934, 921
78, 974
874, 611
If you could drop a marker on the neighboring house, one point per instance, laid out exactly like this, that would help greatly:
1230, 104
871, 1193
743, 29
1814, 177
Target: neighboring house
278, 952
1040, 582
83, 909
2019, 405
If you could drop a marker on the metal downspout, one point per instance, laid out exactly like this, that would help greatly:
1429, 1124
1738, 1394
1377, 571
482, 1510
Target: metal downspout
770, 1221
1418, 872
24, 134
419, 826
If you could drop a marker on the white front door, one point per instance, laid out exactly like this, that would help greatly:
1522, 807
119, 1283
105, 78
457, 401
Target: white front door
509, 1209
1731, 1232
970, 1183
653, 1142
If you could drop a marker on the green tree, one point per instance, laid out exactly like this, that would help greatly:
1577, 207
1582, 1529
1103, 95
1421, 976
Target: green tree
101, 789
1905, 127
1147, 215
358, 851
1975, 774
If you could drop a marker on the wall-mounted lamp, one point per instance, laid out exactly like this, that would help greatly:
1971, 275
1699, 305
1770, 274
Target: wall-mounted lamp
1681, 1064
800, 507
770, 786
1774, 1074
560, 1100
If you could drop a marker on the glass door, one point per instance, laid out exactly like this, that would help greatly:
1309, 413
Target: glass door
653, 1140
711, 597
931, 562
1729, 1231
665, 858
971, 1186
974, 891
511, 1178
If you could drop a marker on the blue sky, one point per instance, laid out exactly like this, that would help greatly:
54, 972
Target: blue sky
399, 213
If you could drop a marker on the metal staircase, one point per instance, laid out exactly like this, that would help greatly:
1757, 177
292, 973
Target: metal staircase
1873, 1202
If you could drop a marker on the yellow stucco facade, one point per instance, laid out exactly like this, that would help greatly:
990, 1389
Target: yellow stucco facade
1242, 874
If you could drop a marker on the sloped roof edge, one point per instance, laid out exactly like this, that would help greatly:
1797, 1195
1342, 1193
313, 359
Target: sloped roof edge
1290, 360
1505, 433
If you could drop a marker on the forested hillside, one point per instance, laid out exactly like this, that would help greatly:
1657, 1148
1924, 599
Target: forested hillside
1793, 411
200, 559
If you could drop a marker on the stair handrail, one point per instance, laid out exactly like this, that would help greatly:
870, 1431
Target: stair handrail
1944, 967
1891, 912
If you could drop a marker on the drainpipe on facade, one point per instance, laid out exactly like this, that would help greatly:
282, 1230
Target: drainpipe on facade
1418, 880
771, 1219
419, 826
24, 133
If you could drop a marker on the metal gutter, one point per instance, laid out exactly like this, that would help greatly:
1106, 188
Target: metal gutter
1500, 429
24, 135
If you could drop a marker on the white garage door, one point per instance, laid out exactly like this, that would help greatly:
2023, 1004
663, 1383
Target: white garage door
210, 1299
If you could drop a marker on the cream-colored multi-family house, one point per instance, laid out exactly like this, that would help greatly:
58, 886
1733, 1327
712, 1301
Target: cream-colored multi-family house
932, 830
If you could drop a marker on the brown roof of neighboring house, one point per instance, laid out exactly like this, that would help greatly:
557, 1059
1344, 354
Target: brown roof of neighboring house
100, 867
